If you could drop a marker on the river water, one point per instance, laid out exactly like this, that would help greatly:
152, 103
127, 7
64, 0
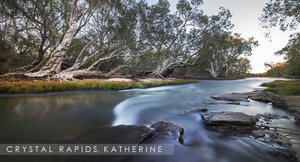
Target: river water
57, 117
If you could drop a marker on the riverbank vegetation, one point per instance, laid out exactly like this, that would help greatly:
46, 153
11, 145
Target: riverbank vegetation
67, 40
284, 14
283, 87
11, 87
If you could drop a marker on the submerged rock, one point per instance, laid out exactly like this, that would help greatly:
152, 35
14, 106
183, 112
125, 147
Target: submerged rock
258, 133
278, 138
196, 110
275, 143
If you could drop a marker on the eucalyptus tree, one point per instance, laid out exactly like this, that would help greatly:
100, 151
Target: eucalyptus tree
292, 54
22, 35
238, 50
112, 36
78, 16
285, 13
176, 37
43, 22
226, 52
215, 47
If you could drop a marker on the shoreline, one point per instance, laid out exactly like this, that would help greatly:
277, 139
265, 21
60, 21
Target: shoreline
44, 87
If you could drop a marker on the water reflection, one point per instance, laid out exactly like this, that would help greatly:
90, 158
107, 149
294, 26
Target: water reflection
55, 117
63, 116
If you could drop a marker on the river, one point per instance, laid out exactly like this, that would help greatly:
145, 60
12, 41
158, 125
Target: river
57, 117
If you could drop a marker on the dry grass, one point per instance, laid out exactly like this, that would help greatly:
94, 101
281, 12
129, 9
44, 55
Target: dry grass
13, 86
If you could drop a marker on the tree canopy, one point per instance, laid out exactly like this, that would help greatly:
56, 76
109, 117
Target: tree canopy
100, 38
286, 15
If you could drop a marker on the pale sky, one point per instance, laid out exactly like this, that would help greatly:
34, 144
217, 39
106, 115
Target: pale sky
245, 14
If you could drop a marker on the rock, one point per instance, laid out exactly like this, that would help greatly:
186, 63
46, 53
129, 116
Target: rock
260, 96
160, 132
232, 118
124, 134
265, 116
231, 97
196, 110
131, 134
276, 144
278, 138
227, 102
285, 117
291, 103
258, 133
169, 130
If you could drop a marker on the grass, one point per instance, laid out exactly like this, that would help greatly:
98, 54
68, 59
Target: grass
283, 87
16, 87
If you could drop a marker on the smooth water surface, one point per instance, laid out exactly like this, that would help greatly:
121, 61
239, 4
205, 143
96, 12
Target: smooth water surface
62, 116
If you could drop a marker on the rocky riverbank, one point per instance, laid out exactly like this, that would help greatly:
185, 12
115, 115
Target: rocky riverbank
290, 103
226, 123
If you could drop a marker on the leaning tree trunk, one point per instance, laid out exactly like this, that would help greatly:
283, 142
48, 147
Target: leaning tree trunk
52, 66
162, 66
214, 71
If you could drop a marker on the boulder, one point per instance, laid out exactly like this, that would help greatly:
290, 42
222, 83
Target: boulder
159, 133
169, 130
124, 134
260, 96
229, 118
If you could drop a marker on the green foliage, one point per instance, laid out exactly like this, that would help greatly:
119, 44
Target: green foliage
276, 70
292, 54
284, 13
115, 32
283, 87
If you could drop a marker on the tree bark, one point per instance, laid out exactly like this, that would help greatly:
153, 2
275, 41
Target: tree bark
52, 66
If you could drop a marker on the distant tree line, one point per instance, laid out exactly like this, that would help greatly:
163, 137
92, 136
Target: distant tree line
67, 40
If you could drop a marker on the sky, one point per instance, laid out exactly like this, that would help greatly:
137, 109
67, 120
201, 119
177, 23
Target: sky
245, 17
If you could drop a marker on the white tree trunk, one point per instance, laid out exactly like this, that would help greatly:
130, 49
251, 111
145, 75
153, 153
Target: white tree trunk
52, 66
214, 71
